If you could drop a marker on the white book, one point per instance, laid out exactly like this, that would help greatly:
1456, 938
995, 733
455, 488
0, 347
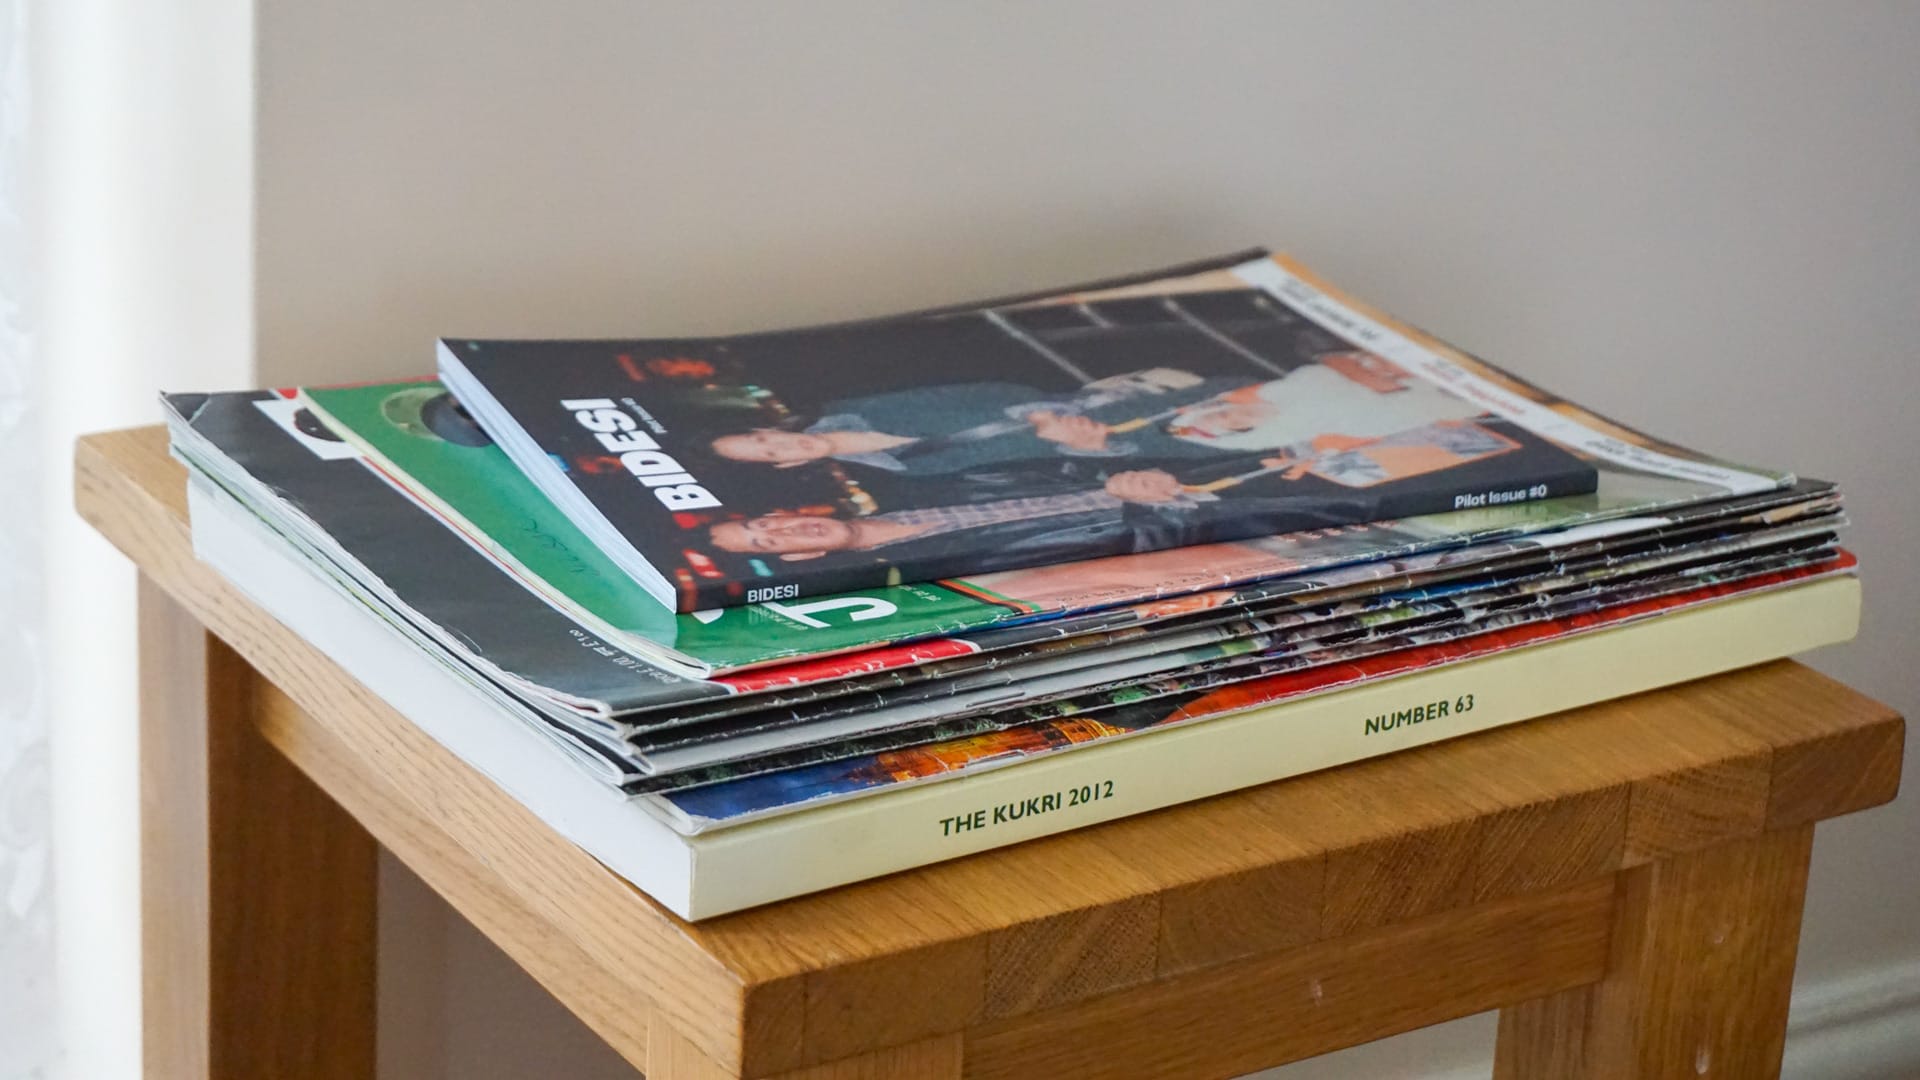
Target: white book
723, 870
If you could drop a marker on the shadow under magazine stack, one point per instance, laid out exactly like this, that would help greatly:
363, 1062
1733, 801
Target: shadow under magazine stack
1254, 477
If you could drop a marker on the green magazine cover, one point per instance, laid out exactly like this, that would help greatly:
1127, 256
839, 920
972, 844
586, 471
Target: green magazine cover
414, 435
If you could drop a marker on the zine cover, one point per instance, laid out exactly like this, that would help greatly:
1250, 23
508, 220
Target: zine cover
725, 471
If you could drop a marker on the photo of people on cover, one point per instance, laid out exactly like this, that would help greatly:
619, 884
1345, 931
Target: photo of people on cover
1049, 433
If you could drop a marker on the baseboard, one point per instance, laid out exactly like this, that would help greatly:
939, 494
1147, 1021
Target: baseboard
1858, 1027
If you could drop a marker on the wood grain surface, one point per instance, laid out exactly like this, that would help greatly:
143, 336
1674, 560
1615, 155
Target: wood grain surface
258, 892
1697, 981
1494, 855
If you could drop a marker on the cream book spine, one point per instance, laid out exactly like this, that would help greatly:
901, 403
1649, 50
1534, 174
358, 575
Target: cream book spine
913, 826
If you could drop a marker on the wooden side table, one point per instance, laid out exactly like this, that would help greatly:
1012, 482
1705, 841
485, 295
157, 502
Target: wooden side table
1624, 882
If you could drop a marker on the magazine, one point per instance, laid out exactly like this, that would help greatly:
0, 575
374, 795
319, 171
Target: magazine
1235, 652
1028, 676
1585, 563
478, 493
475, 593
738, 801
1096, 701
1004, 648
723, 471
354, 495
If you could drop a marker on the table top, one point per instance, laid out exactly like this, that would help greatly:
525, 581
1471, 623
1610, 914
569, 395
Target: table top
1018, 945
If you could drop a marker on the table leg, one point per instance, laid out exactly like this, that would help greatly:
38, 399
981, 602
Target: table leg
1698, 977
257, 914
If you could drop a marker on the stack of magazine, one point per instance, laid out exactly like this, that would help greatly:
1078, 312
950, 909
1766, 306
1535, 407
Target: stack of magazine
751, 616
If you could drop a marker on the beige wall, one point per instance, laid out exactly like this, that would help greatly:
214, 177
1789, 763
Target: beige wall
1700, 217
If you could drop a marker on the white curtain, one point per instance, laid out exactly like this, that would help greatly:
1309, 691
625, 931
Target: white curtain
26, 898
139, 263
